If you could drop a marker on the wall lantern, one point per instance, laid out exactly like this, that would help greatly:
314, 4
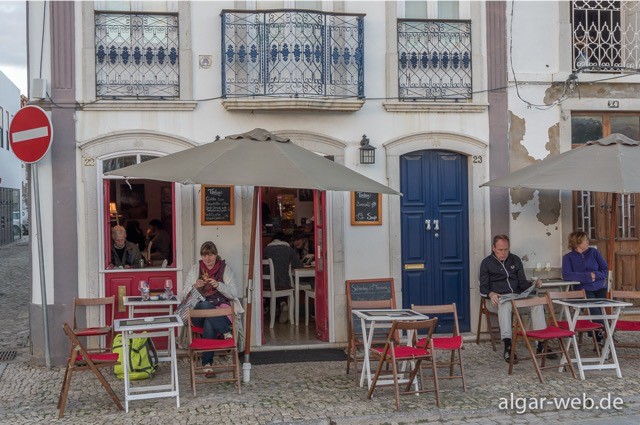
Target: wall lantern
367, 152
113, 212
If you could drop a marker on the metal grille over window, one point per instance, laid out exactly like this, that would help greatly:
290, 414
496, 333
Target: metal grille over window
137, 55
289, 53
605, 35
586, 212
434, 60
626, 217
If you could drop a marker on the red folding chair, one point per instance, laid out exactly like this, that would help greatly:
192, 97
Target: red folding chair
551, 332
79, 360
452, 344
392, 353
625, 325
95, 331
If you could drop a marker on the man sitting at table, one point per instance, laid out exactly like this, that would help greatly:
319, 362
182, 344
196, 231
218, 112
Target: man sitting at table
284, 259
502, 273
124, 254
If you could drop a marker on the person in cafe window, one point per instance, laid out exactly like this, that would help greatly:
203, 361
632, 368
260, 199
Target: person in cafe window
502, 273
215, 280
135, 233
284, 258
158, 243
124, 254
585, 265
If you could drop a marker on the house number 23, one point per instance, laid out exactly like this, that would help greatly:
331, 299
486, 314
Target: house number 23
477, 159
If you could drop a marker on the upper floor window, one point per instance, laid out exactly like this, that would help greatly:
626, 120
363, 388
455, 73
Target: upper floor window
137, 55
421, 9
605, 35
434, 59
292, 53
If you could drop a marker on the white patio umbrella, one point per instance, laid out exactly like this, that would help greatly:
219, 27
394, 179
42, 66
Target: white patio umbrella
610, 164
257, 158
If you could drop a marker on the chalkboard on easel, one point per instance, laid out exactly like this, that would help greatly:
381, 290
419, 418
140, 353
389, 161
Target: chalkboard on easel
365, 291
216, 205
366, 208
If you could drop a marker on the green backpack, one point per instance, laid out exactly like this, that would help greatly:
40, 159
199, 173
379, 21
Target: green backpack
143, 358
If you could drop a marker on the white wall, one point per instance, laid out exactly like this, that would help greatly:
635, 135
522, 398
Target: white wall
11, 168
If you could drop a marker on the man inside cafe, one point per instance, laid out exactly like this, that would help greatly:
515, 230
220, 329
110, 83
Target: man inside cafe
502, 273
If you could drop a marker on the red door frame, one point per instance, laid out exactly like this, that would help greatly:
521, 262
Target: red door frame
320, 239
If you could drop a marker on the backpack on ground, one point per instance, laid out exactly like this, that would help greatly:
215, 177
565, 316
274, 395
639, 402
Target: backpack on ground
143, 358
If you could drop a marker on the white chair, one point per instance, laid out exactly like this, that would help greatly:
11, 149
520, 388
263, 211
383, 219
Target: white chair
273, 294
308, 293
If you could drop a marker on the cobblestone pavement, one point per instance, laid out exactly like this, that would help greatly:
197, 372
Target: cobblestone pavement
15, 295
309, 393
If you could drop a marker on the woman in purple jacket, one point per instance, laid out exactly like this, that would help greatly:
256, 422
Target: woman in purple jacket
585, 265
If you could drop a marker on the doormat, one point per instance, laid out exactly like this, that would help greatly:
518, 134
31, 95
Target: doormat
298, 356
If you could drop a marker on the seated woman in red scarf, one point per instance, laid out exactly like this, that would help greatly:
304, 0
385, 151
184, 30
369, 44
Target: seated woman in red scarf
217, 284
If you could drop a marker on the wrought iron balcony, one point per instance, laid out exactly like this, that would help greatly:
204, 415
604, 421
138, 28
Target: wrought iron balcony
292, 53
434, 59
605, 35
137, 55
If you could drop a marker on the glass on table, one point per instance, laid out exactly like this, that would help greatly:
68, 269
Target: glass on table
168, 286
143, 286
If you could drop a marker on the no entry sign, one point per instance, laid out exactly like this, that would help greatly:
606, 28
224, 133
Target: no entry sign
30, 134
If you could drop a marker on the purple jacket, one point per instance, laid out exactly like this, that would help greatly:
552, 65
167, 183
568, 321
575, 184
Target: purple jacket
578, 267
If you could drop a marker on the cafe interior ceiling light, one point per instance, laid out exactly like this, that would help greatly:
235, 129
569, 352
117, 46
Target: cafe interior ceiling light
113, 211
367, 152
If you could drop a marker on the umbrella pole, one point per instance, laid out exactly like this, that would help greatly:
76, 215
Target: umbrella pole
613, 228
246, 366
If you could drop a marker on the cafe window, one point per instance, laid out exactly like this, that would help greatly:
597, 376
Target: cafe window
140, 206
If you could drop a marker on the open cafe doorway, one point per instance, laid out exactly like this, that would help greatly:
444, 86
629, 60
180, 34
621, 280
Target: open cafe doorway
292, 226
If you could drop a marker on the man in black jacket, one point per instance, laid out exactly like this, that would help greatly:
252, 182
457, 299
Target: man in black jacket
502, 273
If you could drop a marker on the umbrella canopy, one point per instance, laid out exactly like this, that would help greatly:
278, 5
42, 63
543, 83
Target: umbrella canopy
609, 164
256, 158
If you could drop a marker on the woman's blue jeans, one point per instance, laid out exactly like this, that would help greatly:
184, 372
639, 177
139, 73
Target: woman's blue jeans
214, 328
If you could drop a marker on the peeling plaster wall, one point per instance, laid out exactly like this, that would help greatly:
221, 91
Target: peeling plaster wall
535, 227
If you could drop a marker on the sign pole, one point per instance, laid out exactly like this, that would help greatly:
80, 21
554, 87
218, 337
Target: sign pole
43, 287
30, 136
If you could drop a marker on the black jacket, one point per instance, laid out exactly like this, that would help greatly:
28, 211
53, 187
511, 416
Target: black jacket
502, 278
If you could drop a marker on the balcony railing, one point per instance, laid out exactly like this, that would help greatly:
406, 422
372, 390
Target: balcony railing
605, 35
434, 59
292, 53
137, 55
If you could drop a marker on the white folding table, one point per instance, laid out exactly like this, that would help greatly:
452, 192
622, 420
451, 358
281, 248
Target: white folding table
370, 319
150, 327
150, 306
577, 309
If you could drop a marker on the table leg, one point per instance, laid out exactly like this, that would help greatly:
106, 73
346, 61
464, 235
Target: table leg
573, 320
367, 338
610, 325
296, 300
125, 365
174, 366
131, 311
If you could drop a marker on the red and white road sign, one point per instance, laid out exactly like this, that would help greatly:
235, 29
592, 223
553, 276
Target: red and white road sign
30, 134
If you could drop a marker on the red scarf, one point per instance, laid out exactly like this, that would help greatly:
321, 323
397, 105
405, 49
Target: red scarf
216, 273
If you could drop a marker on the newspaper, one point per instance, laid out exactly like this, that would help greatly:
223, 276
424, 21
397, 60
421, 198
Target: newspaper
525, 294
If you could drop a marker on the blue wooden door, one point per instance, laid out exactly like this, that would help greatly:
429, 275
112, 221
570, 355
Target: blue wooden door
435, 232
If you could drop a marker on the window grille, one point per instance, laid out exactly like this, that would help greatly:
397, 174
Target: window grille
434, 60
137, 55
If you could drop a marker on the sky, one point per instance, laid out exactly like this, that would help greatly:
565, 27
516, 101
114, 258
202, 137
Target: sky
13, 39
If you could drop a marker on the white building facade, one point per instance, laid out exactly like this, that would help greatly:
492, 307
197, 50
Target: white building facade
127, 81
11, 168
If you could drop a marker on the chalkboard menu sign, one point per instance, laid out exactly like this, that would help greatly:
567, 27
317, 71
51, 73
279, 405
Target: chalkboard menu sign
366, 208
364, 294
216, 205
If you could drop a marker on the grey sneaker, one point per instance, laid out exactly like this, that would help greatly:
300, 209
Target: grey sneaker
227, 335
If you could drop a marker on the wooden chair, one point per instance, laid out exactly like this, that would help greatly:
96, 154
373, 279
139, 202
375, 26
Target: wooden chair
355, 331
551, 332
80, 359
453, 343
197, 346
273, 293
491, 329
393, 352
582, 326
627, 325
106, 331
